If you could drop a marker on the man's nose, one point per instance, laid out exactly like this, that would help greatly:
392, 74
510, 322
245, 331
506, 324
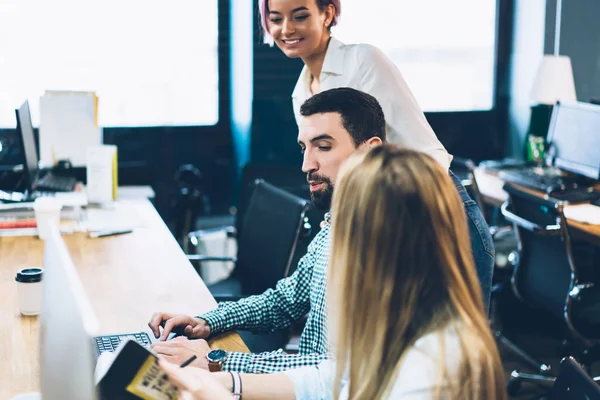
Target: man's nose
309, 164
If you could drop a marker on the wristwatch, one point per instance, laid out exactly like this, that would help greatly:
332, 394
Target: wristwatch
216, 358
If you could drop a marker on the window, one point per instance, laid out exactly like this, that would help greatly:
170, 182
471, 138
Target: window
445, 49
151, 62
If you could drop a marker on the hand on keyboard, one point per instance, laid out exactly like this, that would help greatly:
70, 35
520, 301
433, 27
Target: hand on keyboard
111, 342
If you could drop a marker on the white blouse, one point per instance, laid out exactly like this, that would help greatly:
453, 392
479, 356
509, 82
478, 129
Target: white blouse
417, 377
366, 68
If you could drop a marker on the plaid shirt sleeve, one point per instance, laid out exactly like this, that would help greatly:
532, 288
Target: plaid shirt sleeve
270, 362
273, 310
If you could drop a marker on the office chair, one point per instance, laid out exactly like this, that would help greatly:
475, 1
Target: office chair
188, 202
270, 231
286, 177
573, 383
547, 277
269, 234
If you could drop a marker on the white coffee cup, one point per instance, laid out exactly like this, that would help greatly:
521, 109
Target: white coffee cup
47, 210
29, 286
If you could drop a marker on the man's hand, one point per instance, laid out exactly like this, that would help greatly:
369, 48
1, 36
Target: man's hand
180, 349
193, 328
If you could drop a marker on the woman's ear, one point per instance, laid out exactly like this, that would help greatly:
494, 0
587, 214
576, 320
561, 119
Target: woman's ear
329, 14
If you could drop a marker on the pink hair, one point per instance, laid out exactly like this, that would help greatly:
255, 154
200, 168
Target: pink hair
263, 10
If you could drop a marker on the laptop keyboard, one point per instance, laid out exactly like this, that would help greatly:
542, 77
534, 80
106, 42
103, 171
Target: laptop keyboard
111, 342
531, 179
56, 183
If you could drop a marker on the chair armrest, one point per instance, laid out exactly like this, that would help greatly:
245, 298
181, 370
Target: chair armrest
200, 258
548, 230
229, 230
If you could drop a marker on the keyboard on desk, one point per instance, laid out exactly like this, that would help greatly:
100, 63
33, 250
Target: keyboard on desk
531, 179
556, 186
56, 183
111, 342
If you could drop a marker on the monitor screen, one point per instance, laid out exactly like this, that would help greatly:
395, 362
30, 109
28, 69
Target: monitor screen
574, 138
25, 129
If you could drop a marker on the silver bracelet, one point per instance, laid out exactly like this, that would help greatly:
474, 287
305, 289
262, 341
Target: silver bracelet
236, 388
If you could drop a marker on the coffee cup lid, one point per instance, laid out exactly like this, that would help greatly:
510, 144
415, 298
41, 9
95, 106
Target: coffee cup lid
28, 275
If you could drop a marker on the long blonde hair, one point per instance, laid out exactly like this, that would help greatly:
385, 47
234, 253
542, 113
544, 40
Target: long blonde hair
400, 268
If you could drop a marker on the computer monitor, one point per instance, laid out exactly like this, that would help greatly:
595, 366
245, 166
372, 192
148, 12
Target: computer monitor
574, 138
68, 327
25, 131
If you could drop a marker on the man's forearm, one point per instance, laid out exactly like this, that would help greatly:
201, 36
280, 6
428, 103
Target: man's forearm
270, 362
261, 387
267, 312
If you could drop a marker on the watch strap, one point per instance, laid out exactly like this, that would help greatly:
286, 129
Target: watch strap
215, 366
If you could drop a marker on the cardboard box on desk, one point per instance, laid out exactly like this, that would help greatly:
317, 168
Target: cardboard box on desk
102, 177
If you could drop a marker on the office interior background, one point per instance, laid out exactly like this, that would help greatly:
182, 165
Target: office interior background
198, 105
192, 83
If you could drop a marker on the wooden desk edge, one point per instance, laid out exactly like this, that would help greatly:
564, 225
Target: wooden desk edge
230, 341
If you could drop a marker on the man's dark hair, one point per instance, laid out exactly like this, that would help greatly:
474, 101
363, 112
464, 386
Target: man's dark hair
361, 113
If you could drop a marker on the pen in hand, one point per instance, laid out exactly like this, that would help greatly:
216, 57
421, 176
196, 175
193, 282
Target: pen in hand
188, 361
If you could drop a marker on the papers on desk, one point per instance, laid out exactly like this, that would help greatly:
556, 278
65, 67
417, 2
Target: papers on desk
113, 217
13, 216
66, 199
584, 213
68, 126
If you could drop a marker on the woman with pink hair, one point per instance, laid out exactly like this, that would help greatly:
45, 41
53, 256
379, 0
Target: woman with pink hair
302, 29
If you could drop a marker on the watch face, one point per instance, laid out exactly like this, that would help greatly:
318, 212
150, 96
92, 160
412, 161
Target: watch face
217, 355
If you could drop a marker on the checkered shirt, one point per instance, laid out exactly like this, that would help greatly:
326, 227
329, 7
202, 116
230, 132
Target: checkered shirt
302, 292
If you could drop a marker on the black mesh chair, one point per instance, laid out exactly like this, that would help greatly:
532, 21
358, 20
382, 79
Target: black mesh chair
268, 236
573, 383
547, 276
271, 226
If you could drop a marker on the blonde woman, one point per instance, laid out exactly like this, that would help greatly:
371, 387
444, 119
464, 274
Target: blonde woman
405, 311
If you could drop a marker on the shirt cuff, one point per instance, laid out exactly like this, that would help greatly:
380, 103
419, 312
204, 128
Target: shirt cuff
237, 362
215, 319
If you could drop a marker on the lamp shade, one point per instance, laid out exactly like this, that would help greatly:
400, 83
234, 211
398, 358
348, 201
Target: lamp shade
554, 81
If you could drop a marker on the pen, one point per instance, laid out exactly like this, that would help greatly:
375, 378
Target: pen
98, 234
188, 361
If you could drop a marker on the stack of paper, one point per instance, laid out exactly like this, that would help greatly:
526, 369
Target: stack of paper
68, 126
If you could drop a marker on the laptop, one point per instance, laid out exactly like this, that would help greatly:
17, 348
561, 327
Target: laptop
69, 327
572, 158
33, 181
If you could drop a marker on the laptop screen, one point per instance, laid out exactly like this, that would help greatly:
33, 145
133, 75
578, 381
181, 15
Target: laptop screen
574, 138
25, 129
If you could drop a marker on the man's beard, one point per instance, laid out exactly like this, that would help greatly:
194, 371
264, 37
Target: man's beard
321, 199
